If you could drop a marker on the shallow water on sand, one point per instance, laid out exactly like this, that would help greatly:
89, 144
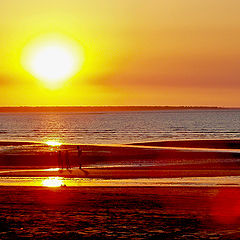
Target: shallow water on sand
120, 127
231, 181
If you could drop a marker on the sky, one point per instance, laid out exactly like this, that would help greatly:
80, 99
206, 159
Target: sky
136, 52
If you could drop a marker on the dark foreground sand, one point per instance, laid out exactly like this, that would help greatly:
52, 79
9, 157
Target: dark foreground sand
119, 213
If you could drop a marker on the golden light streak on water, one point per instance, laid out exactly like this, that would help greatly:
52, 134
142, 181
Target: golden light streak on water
53, 143
228, 181
52, 182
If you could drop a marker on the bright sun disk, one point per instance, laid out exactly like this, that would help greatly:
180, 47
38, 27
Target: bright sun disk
52, 60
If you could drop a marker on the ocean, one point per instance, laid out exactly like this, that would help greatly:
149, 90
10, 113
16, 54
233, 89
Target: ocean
120, 127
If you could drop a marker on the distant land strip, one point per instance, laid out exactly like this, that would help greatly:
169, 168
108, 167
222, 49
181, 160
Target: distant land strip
104, 108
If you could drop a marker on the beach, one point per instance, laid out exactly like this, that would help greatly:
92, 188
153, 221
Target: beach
165, 190
143, 160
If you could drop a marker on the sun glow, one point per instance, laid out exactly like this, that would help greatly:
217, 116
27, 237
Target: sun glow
53, 60
52, 182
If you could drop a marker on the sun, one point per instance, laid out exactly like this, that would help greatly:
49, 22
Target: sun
53, 59
52, 63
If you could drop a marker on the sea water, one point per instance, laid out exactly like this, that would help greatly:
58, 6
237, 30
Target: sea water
120, 127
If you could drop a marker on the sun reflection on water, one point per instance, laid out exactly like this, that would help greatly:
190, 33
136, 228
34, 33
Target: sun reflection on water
53, 143
52, 182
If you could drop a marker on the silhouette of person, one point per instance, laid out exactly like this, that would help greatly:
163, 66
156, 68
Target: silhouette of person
60, 160
79, 157
67, 160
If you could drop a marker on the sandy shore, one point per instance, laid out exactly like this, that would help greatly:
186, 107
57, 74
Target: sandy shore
119, 213
112, 173
178, 159
198, 143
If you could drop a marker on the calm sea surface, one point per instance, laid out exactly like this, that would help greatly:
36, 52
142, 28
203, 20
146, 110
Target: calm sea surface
120, 127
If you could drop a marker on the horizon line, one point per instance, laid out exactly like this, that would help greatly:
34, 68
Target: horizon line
106, 108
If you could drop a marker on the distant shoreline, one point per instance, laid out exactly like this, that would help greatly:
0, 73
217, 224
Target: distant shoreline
106, 108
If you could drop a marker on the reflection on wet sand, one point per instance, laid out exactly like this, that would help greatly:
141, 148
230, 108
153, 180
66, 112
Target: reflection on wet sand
52, 182
220, 155
229, 181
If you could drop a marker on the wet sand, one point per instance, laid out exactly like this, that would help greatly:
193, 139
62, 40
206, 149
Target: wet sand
198, 143
126, 161
120, 173
114, 213
145, 160
120, 212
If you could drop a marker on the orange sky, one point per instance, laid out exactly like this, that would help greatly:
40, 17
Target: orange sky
137, 52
